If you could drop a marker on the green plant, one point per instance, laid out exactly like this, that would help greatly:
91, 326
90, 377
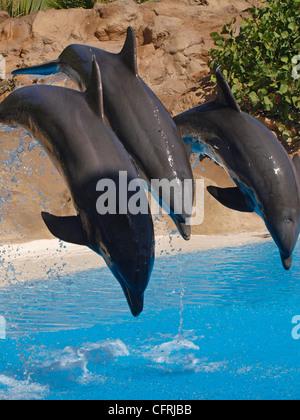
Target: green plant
67, 4
23, 7
18, 8
258, 59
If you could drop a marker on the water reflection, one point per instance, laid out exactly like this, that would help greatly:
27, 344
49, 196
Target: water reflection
218, 278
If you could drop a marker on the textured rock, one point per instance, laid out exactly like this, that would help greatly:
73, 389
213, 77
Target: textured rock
170, 26
173, 44
3, 16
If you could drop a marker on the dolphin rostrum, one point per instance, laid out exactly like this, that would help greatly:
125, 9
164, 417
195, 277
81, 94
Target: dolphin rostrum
139, 120
70, 125
267, 181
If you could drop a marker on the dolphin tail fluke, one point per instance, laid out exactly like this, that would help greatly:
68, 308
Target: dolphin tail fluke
44, 69
135, 302
286, 262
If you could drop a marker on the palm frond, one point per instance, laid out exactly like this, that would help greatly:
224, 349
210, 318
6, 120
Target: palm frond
18, 8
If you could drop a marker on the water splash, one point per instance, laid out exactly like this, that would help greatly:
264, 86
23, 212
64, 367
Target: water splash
77, 359
22, 156
21, 390
174, 352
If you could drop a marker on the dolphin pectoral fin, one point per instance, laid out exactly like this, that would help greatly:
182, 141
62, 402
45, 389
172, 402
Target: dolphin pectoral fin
68, 229
128, 53
225, 96
43, 69
286, 262
296, 162
232, 198
135, 302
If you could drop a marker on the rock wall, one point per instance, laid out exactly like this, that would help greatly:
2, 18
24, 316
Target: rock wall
173, 45
173, 38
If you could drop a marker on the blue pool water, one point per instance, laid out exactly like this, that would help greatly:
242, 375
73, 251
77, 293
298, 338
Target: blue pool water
216, 325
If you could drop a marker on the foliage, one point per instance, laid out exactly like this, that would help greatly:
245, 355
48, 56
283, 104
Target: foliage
259, 60
68, 4
18, 8
22, 7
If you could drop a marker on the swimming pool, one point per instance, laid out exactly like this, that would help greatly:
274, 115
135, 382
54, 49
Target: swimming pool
216, 325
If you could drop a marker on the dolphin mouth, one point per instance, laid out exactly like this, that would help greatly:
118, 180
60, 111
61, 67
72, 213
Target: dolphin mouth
285, 237
183, 228
286, 261
46, 69
135, 302
286, 253
135, 299
286, 257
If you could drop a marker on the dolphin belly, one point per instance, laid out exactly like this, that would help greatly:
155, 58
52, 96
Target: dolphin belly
200, 147
267, 179
71, 127
135, 114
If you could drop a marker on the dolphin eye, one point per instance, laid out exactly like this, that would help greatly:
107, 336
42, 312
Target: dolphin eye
288, 220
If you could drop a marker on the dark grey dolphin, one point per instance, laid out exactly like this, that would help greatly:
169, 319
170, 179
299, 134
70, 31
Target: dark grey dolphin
136, 115
267, 180
71, 127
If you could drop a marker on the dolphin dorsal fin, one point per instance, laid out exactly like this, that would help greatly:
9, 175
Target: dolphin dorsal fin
128, 53
188, 149
225, 95
296, 162
94, 92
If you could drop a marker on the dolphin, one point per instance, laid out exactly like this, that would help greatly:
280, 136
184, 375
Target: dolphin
267, 180
71, 126
139, 120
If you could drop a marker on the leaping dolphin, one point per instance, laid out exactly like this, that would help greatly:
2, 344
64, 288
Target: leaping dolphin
71, 127
267, 180
137, 117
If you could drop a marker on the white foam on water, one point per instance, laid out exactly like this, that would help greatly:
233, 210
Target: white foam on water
173, 352
21, 390
111, 348
210, 367
73, 358
180, 353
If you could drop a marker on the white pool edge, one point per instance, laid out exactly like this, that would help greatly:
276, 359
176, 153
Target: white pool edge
42, 258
